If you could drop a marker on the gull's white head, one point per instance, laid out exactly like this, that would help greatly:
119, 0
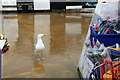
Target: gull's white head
40, 35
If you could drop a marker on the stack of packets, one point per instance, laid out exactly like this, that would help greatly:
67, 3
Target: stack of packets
107, 27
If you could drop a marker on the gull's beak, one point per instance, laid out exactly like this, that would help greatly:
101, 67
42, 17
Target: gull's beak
44, 34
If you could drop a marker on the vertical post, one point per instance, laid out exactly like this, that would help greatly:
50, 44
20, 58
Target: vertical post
0, 64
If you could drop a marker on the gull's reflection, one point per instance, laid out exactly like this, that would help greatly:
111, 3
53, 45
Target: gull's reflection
38, 67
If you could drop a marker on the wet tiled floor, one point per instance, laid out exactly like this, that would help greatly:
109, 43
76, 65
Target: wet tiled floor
64, 41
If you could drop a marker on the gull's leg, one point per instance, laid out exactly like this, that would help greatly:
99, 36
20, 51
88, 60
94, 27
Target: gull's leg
37, 56
42, 57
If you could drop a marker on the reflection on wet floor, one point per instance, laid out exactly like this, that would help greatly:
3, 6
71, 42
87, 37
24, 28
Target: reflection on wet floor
38, 67
64, 41
57, 32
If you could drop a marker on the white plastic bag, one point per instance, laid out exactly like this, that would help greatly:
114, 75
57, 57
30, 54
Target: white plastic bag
107, 9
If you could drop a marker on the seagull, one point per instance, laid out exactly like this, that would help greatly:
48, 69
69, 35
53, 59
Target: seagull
39, 47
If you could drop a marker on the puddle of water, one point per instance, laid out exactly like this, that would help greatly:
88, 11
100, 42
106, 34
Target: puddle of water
64, 41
